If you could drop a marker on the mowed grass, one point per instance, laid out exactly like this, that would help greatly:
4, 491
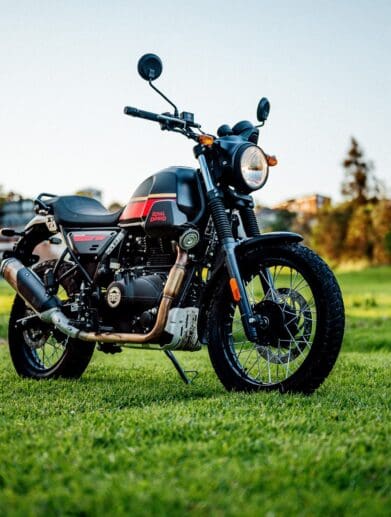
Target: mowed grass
129, 438
367, 296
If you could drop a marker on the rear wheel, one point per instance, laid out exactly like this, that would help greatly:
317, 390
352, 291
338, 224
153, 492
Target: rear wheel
38, 350
299, 309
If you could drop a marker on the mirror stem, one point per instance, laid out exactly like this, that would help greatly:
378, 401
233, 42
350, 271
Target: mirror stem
176, 113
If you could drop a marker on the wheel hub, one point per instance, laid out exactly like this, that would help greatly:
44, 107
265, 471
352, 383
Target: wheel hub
273, 322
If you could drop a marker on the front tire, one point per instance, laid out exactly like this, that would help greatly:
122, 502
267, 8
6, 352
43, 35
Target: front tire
38, 351
294, 291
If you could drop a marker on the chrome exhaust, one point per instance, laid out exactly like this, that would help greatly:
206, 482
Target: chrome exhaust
30, 287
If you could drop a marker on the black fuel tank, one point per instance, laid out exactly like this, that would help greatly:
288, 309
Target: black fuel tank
165, 201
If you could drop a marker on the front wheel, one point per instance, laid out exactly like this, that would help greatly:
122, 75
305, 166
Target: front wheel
299, 310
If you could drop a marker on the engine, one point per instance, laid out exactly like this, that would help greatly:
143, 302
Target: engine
132, 301
133, 296
135, 293
130, 293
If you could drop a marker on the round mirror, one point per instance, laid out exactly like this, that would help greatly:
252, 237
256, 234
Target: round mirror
150, 67
263, 109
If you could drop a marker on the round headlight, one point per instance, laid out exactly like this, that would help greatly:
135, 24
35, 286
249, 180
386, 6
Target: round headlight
253, 167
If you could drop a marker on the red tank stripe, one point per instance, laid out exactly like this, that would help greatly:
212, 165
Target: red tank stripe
140, 209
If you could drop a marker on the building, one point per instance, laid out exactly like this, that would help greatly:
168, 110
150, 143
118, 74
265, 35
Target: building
306, 205
266, 217
14, 214
90, 192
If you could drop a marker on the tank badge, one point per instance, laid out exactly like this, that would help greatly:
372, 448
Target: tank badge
158, 217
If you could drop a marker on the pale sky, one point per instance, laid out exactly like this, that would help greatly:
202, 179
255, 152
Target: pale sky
67, 68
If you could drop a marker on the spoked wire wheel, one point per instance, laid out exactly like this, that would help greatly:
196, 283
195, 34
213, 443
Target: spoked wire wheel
46, 346
283, 301
37, 349
299, 320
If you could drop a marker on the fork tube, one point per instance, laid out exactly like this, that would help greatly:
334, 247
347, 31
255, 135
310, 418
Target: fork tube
251, 229
224, 233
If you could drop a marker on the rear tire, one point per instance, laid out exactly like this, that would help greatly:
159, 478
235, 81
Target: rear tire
69, 357
306, 323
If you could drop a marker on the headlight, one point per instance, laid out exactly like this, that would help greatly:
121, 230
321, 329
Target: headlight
250, 168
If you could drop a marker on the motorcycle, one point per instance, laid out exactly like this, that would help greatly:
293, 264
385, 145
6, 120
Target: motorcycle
181, 266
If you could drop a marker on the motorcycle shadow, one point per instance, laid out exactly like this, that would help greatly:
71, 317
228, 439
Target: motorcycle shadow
138, 385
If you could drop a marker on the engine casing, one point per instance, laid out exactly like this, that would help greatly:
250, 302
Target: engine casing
135, 294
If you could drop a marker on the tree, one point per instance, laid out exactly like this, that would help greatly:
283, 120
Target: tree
8, 196
115, 206
329, 232
359, 240
2, 195
283, 222
381, 223
360, 184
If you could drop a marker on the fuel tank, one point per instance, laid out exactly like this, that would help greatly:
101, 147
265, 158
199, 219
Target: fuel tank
165, 202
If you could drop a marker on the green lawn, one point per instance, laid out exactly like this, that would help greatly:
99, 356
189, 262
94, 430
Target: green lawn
130, 438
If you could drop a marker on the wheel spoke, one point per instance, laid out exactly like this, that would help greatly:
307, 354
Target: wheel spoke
286, 289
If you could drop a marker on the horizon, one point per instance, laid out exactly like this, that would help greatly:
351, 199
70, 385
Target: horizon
68, 70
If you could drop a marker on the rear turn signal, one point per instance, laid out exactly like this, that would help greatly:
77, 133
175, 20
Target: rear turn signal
271, 160
234, 289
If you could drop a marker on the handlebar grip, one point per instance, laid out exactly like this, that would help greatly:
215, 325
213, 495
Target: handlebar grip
135, 112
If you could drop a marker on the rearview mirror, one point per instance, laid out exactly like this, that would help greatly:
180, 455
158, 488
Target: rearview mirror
263, 109
150, 67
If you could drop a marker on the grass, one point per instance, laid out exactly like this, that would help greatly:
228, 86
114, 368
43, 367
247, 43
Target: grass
129, 438
367, 296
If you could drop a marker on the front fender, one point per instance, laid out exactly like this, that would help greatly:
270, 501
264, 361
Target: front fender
220, 274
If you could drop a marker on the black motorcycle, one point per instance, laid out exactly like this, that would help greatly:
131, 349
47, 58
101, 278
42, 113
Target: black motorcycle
183, 264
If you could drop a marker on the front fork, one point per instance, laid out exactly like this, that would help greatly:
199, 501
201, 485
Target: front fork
252, 230
224, 233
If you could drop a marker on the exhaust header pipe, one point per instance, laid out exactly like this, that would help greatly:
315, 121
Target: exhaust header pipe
48, 307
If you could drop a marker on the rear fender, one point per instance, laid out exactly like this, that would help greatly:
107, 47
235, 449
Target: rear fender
220, 273
34, 245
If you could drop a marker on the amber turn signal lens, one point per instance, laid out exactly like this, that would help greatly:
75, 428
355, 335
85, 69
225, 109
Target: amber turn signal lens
206, 140
235, 289
271, 160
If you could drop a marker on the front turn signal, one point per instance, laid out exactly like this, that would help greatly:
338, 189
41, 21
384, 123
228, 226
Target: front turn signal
271, 160
206, 140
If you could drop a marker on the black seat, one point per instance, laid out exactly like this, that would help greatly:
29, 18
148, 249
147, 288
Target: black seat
80, 211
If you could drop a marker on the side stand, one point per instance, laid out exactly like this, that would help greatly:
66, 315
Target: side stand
179, 369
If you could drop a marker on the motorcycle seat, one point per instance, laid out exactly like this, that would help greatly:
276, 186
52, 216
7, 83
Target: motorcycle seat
80, 211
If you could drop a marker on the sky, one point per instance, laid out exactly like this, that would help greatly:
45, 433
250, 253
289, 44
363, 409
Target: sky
67, 69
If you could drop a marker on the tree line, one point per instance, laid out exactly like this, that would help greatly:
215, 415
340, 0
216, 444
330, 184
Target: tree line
359, 227
356, 229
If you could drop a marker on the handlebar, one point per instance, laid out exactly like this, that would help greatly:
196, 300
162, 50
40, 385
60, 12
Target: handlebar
135, 112
168, 120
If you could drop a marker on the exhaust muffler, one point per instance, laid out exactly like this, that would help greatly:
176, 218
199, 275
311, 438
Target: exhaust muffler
48, 307
28, 285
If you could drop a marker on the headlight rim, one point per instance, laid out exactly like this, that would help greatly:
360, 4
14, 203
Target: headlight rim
238, 177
